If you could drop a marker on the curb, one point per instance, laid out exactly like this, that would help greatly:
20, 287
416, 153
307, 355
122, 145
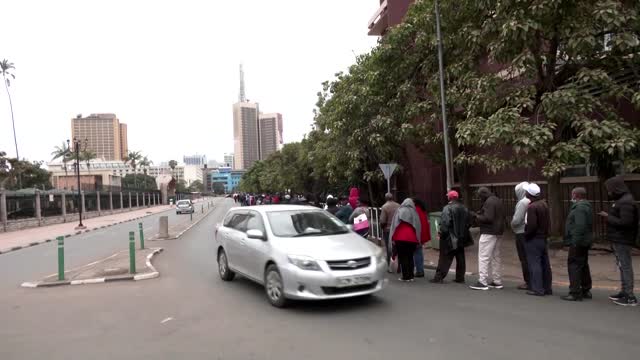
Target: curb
34, 243
151, 275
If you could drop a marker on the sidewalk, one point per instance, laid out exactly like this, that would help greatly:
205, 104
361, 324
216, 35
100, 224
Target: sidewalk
28, 237
604, 271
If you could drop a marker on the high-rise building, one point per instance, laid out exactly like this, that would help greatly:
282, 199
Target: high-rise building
245, 130
270, 126
104, 135
229, 160
198, 160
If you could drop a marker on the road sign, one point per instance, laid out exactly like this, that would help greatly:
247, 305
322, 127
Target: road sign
388, 169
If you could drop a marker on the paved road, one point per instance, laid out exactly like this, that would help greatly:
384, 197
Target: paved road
34, 263
216, 320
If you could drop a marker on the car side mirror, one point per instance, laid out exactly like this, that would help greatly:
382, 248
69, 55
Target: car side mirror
256, 234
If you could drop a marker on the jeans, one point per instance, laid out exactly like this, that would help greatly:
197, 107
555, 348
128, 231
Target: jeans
579, 272
387, 244
539, 266
623, 259
405, 258
418, 259
522, 256
489, 259
444, 264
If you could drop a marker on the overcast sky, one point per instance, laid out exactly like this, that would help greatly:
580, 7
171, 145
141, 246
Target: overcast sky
169, 69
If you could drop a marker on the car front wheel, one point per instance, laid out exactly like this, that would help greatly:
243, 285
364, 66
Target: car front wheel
274, 287
226, 274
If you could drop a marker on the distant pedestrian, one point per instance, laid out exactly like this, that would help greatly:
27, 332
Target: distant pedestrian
387, 213
622, 230
354, 195
536, 231
454, 236
360, 218
344, 213
578, 235
287, 199
517, 225
491, 221
425, 236
405, 233
332, 205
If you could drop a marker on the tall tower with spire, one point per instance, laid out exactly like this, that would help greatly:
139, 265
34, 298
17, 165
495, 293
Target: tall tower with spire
246, 134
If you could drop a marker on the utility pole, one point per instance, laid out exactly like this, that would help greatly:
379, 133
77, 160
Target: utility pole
445, 125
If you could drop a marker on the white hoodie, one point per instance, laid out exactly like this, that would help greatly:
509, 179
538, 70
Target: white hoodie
518, 220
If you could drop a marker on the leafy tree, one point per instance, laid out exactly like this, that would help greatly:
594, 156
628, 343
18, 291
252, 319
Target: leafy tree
7, 72
139, 182
17, 174
132, 159
87, 156
218, 188
144, 164
196, 186
181, 186
173, 164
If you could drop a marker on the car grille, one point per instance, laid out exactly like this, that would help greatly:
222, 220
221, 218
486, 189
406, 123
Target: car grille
331, 290
351, 264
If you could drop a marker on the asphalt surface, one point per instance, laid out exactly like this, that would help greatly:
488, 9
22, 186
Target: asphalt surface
189, 313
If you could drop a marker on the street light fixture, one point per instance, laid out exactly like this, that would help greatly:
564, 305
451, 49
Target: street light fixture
76, 149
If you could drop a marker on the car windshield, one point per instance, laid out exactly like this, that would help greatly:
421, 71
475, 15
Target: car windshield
183, 202
297, 223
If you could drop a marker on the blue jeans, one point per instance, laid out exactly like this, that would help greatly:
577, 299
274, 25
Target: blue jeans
418, 259
539, 266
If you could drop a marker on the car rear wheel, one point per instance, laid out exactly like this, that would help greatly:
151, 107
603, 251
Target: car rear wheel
226, 274
274, 287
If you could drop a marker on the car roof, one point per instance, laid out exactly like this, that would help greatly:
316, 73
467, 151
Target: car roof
277, 207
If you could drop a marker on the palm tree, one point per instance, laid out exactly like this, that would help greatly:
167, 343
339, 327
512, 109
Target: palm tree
133, 158
62, 152
6, 68
144, 165
172, 165
87, 156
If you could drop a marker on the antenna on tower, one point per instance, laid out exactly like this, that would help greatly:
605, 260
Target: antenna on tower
243, 96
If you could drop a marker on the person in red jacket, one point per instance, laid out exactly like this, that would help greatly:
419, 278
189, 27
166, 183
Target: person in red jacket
405, 233
425, 236
354, 195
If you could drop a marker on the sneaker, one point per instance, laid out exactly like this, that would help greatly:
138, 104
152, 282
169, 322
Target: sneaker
571, 297
479, 286
627, 301
587, 295
459, 281
523, 286
533, 293
436, 281
617, 296
420, 275
493, 285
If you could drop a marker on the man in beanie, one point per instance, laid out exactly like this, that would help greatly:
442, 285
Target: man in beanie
491, 221
536, 230
454, 236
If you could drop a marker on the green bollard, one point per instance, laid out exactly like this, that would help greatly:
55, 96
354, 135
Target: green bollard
141, 236
132, 252
60, 258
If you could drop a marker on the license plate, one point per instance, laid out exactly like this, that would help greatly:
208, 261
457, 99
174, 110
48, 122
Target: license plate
354, 280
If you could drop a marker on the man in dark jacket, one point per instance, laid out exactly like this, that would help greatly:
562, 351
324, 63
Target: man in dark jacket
578, 235
622, 229
345, 210
332, 205
536, 230
491, 221
454, 235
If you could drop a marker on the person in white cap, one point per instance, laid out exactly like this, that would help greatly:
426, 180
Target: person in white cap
536, 231
517, 225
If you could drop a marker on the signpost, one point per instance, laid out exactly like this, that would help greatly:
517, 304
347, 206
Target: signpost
387, 170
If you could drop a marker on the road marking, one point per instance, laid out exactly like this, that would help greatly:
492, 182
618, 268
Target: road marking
166, 320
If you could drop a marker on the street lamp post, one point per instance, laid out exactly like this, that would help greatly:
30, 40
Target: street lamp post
445, 125
76, 148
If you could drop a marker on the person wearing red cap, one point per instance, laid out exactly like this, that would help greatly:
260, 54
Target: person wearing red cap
454, 236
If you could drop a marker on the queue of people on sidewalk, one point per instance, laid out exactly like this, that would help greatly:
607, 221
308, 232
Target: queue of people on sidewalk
403, 235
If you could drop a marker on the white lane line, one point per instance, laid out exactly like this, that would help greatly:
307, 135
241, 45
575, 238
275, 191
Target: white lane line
166, 320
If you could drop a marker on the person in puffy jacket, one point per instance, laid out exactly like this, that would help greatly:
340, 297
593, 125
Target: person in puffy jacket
578, 235
454, 236
622, 230
491, 221
536, 231
405, 234
425, 236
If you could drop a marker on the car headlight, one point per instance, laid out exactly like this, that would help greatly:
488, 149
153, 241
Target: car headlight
380, 256
304, 262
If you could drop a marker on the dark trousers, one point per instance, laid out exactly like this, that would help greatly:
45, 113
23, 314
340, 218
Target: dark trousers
539, 266
444, 263
579, 272
623, 258
387, 245
522, 255
405, 258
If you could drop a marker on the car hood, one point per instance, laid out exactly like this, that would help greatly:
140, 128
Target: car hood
331, 247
